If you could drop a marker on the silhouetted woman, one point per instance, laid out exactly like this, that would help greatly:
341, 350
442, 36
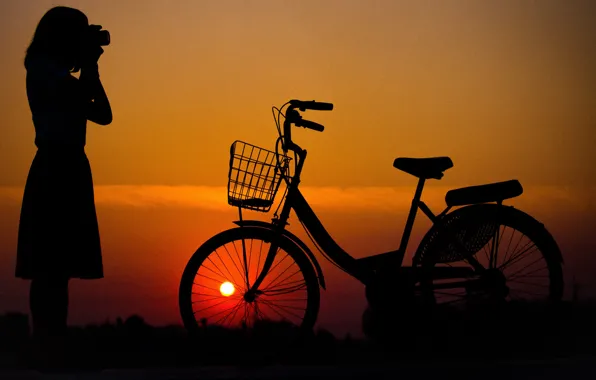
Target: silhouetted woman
58, 232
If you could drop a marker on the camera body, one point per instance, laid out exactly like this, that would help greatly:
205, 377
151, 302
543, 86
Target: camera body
97, 36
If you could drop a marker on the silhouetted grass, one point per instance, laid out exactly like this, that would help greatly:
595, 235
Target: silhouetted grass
511, 331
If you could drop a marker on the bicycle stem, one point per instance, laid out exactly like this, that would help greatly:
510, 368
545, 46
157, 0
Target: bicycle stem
279, 226
291, 116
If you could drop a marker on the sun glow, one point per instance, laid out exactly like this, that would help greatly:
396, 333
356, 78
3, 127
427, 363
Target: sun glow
227, 289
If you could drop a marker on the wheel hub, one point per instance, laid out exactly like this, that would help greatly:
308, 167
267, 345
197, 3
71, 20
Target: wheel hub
494, 284
251, 296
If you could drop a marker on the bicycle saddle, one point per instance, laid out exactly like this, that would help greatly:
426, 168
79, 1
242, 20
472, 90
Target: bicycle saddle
491, 192
424, 167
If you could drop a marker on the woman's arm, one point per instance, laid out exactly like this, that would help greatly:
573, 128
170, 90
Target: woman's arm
98, 109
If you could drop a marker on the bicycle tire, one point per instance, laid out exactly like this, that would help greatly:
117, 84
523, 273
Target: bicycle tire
428, 255
191, 323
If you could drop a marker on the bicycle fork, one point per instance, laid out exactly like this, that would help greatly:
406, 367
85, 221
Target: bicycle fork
253, 290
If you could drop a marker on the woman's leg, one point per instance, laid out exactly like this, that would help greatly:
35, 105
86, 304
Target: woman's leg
49, 306
49, 311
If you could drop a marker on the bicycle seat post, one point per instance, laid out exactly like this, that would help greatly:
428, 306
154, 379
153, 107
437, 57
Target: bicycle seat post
410, 221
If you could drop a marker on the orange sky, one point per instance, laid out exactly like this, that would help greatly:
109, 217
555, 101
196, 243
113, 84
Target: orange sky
506, 89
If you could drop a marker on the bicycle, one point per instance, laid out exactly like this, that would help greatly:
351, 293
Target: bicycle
456, 261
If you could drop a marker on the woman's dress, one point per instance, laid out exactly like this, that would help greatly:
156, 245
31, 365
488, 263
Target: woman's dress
58, 231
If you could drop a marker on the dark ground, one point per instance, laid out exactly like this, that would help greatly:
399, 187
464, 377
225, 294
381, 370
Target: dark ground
578, 368
529, 340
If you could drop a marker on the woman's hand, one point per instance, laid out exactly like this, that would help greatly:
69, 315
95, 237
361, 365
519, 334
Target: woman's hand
90, 56
98, 106
91, 53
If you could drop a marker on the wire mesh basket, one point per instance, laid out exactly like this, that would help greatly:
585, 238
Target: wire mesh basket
254, 176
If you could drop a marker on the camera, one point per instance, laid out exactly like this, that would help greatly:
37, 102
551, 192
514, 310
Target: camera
97, 36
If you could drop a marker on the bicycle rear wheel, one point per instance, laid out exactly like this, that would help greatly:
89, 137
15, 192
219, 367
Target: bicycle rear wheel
521, 258
216, 278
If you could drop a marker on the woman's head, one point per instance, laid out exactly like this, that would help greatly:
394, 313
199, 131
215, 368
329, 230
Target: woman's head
59, 36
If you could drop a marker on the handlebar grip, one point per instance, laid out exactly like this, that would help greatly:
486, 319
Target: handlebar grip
312, 105
310, 125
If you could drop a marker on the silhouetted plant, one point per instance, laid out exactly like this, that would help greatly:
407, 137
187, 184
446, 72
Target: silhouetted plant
526, 329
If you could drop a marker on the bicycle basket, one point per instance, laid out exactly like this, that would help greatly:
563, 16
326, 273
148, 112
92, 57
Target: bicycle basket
254, 177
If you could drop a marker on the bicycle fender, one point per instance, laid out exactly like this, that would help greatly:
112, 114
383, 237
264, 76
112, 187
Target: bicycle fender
556, 254
294, 239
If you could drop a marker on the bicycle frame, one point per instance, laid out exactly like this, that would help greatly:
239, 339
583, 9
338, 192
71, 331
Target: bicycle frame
297, 202
357, 268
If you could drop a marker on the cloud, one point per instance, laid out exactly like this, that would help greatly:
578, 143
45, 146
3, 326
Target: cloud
341, 199
204, 197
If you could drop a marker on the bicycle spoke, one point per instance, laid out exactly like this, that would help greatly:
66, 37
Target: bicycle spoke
486, 254
204, 294
494, 250
248, 265
206, 287
259, 261
519, 258
279, 262
531, 274
520, 261
516, 274
286, 290
213, 298
212, 306
234, 261
223, 311
243, 261
257, 311
509, 246
235, 313
285, 282
225, 317
514, 259
272, 264
292, 300
279, 275
216, 267
274, 307
285, 296
207, 277
223, 262
239, 260
245, 318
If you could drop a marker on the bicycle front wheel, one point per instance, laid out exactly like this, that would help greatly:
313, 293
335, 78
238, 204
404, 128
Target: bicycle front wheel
217, 277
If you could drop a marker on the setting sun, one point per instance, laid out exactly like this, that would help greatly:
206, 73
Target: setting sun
227, 289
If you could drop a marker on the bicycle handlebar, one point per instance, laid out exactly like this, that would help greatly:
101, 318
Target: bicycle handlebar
310, 125
311, 105
292, 116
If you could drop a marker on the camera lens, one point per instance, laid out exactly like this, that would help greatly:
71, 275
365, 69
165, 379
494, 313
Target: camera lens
103, 38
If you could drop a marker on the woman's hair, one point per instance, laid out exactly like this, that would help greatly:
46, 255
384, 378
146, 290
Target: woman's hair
57, 36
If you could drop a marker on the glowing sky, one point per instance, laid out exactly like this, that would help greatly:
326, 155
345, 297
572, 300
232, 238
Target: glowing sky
507, 89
